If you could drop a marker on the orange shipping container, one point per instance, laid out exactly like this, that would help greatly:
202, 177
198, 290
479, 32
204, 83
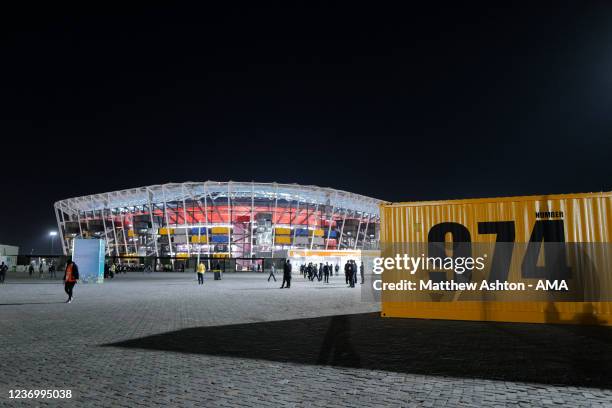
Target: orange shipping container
282, 239
575, 220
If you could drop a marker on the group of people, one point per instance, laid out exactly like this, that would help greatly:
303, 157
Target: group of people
312, 271
115, 268
43, 268
350, 272
320, 272
323, 271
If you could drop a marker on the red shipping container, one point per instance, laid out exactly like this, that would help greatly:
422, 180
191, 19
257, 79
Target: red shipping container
243, 218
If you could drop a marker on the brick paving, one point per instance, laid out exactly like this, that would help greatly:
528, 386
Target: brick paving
161, 340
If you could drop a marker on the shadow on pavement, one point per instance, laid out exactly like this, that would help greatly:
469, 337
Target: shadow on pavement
551, 354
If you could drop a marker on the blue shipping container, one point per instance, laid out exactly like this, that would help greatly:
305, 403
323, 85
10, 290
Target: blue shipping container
219, 239
194, 231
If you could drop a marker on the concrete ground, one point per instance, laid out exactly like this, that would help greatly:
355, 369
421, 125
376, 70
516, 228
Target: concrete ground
161, 340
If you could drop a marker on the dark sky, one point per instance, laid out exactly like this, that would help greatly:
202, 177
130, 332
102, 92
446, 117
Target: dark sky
449, 101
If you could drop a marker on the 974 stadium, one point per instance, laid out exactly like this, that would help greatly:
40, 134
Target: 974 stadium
243, 225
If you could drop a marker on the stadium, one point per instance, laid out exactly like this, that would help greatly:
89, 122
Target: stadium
246, 222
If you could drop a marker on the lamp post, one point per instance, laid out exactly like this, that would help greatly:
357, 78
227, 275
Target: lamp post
52, 235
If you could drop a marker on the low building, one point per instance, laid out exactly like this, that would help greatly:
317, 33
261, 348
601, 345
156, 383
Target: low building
8, 254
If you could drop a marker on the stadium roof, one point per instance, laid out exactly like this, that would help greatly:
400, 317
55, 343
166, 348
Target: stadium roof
171, 192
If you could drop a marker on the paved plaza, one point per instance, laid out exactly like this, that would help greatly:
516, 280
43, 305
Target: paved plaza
159, 339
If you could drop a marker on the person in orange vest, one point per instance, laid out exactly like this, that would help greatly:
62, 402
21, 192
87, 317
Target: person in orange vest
71, 276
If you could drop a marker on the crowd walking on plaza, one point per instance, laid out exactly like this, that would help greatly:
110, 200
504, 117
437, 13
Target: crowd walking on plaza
320, 272
44, 267
112, 269
323, 271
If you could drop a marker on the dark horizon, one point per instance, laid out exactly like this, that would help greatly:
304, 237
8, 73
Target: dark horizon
422, 103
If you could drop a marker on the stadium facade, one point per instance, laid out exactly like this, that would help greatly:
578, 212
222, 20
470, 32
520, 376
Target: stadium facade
222, 220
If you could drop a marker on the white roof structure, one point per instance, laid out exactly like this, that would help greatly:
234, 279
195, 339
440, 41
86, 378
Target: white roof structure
169, 192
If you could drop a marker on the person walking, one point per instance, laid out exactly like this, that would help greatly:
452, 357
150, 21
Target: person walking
201, 272
272, 270
286, 275
31, 269
71, 276
3, 269
362, 272
337, 269
326, 273
40, 270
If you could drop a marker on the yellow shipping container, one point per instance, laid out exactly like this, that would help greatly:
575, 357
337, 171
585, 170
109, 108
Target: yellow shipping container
131, 233
166, 231
219, 230
202, 239
318, 233
282, 239
579, 220
282, 231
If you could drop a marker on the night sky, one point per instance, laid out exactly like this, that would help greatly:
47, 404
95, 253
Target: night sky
451, 101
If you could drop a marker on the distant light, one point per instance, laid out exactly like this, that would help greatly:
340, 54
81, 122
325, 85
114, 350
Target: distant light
52, 233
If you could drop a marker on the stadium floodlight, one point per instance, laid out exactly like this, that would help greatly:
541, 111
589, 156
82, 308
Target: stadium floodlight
52, 235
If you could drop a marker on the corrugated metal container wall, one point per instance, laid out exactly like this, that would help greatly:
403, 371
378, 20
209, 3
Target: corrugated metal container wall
587, 218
